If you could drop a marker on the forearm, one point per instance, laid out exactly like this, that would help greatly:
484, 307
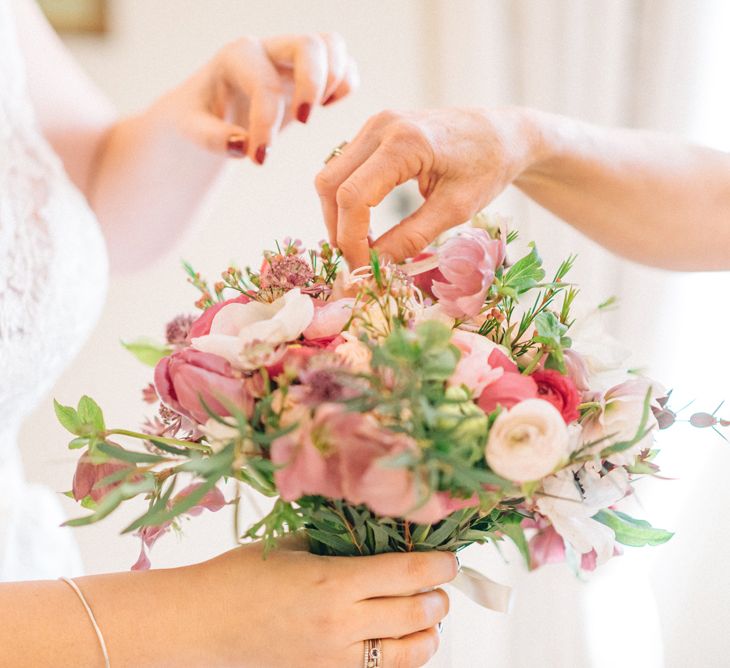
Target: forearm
148, 183
44, 623
645, 196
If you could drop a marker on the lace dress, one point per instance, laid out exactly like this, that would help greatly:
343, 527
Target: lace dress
53, 272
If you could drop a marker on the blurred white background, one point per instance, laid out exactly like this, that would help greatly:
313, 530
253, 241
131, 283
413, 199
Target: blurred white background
652, 63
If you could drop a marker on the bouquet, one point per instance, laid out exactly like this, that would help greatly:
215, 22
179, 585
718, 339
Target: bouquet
451, 400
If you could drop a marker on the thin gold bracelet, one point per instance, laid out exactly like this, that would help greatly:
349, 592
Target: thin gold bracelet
94, 623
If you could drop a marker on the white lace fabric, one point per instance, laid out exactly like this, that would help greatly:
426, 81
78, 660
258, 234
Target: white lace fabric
53, 271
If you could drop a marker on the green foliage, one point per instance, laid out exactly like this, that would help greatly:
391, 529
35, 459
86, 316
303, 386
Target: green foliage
86, 421
630, 531
147, 351
523, 275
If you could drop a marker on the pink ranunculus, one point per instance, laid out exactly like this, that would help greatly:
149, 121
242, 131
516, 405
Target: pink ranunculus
201, 327
467, 262
186, 377
329, 318
560, 391
473, 369
88, 475
212, 500
507, 391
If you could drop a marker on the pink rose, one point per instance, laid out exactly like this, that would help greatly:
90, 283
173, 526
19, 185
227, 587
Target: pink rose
467, 262
509, 389
560, 391
88, 475
473, 369
329, 318
186, 377
201, 327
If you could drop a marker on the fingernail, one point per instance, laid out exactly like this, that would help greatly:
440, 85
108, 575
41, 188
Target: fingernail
458, 562
329, 100
440, 627
236, 146
303, 112
261, 154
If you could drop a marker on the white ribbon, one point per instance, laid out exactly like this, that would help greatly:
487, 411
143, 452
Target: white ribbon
483, 591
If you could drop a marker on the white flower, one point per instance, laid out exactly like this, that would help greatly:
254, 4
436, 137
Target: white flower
603, 354
620, 419
236, 326
355, 353
219, 435
527, 442
433, 312
570, 506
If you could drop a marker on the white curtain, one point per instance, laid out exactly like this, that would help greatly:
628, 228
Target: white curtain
641, 63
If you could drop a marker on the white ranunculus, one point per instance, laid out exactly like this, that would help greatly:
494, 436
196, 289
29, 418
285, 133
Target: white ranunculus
623, 408
571, 511
528, 441
236, 326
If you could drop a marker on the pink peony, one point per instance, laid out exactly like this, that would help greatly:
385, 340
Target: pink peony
201, 327
473, 369
345, 455
468, 263
186, 377
88, 476
425, 279
560, 391
329, 318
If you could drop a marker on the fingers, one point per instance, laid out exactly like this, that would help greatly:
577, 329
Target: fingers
308, 56
248, 70
396, 574
397, 617
216, 135
338, 62
441, 211
350, 82
413, 651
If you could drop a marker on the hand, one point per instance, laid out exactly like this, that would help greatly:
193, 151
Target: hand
253, 87
462, 159
298, 609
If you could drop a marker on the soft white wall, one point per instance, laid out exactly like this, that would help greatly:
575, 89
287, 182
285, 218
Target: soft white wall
153, 45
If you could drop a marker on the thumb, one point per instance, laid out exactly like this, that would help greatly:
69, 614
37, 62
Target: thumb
217, 136
414, 233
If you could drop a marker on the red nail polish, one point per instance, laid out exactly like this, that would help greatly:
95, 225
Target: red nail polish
303, 112
261, 153
236, 146
329, 100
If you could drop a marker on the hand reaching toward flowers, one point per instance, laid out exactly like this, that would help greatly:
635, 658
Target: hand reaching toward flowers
234, 105
290, 609
637, 193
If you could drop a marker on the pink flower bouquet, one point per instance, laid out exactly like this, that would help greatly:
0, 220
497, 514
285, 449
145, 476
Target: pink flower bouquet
426, 406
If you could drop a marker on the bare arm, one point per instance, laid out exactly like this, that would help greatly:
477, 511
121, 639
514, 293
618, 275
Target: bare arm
145, 175
652, 198
234, 611
648, 197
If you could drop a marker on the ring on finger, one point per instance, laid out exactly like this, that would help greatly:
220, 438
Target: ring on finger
373, 654
337, 150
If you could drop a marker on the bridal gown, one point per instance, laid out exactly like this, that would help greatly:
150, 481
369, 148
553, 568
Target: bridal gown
53, 273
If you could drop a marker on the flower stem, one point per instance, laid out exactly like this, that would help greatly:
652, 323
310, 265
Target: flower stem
191, 445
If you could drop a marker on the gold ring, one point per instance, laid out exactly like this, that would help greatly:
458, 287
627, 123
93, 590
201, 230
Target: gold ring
335, 152
373, 654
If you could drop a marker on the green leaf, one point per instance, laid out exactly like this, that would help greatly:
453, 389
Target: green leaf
80, 442
333, 541
115, 452
147, 351
630, 531
115, 497
524, 274
516, 534
90, 414
69, 418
